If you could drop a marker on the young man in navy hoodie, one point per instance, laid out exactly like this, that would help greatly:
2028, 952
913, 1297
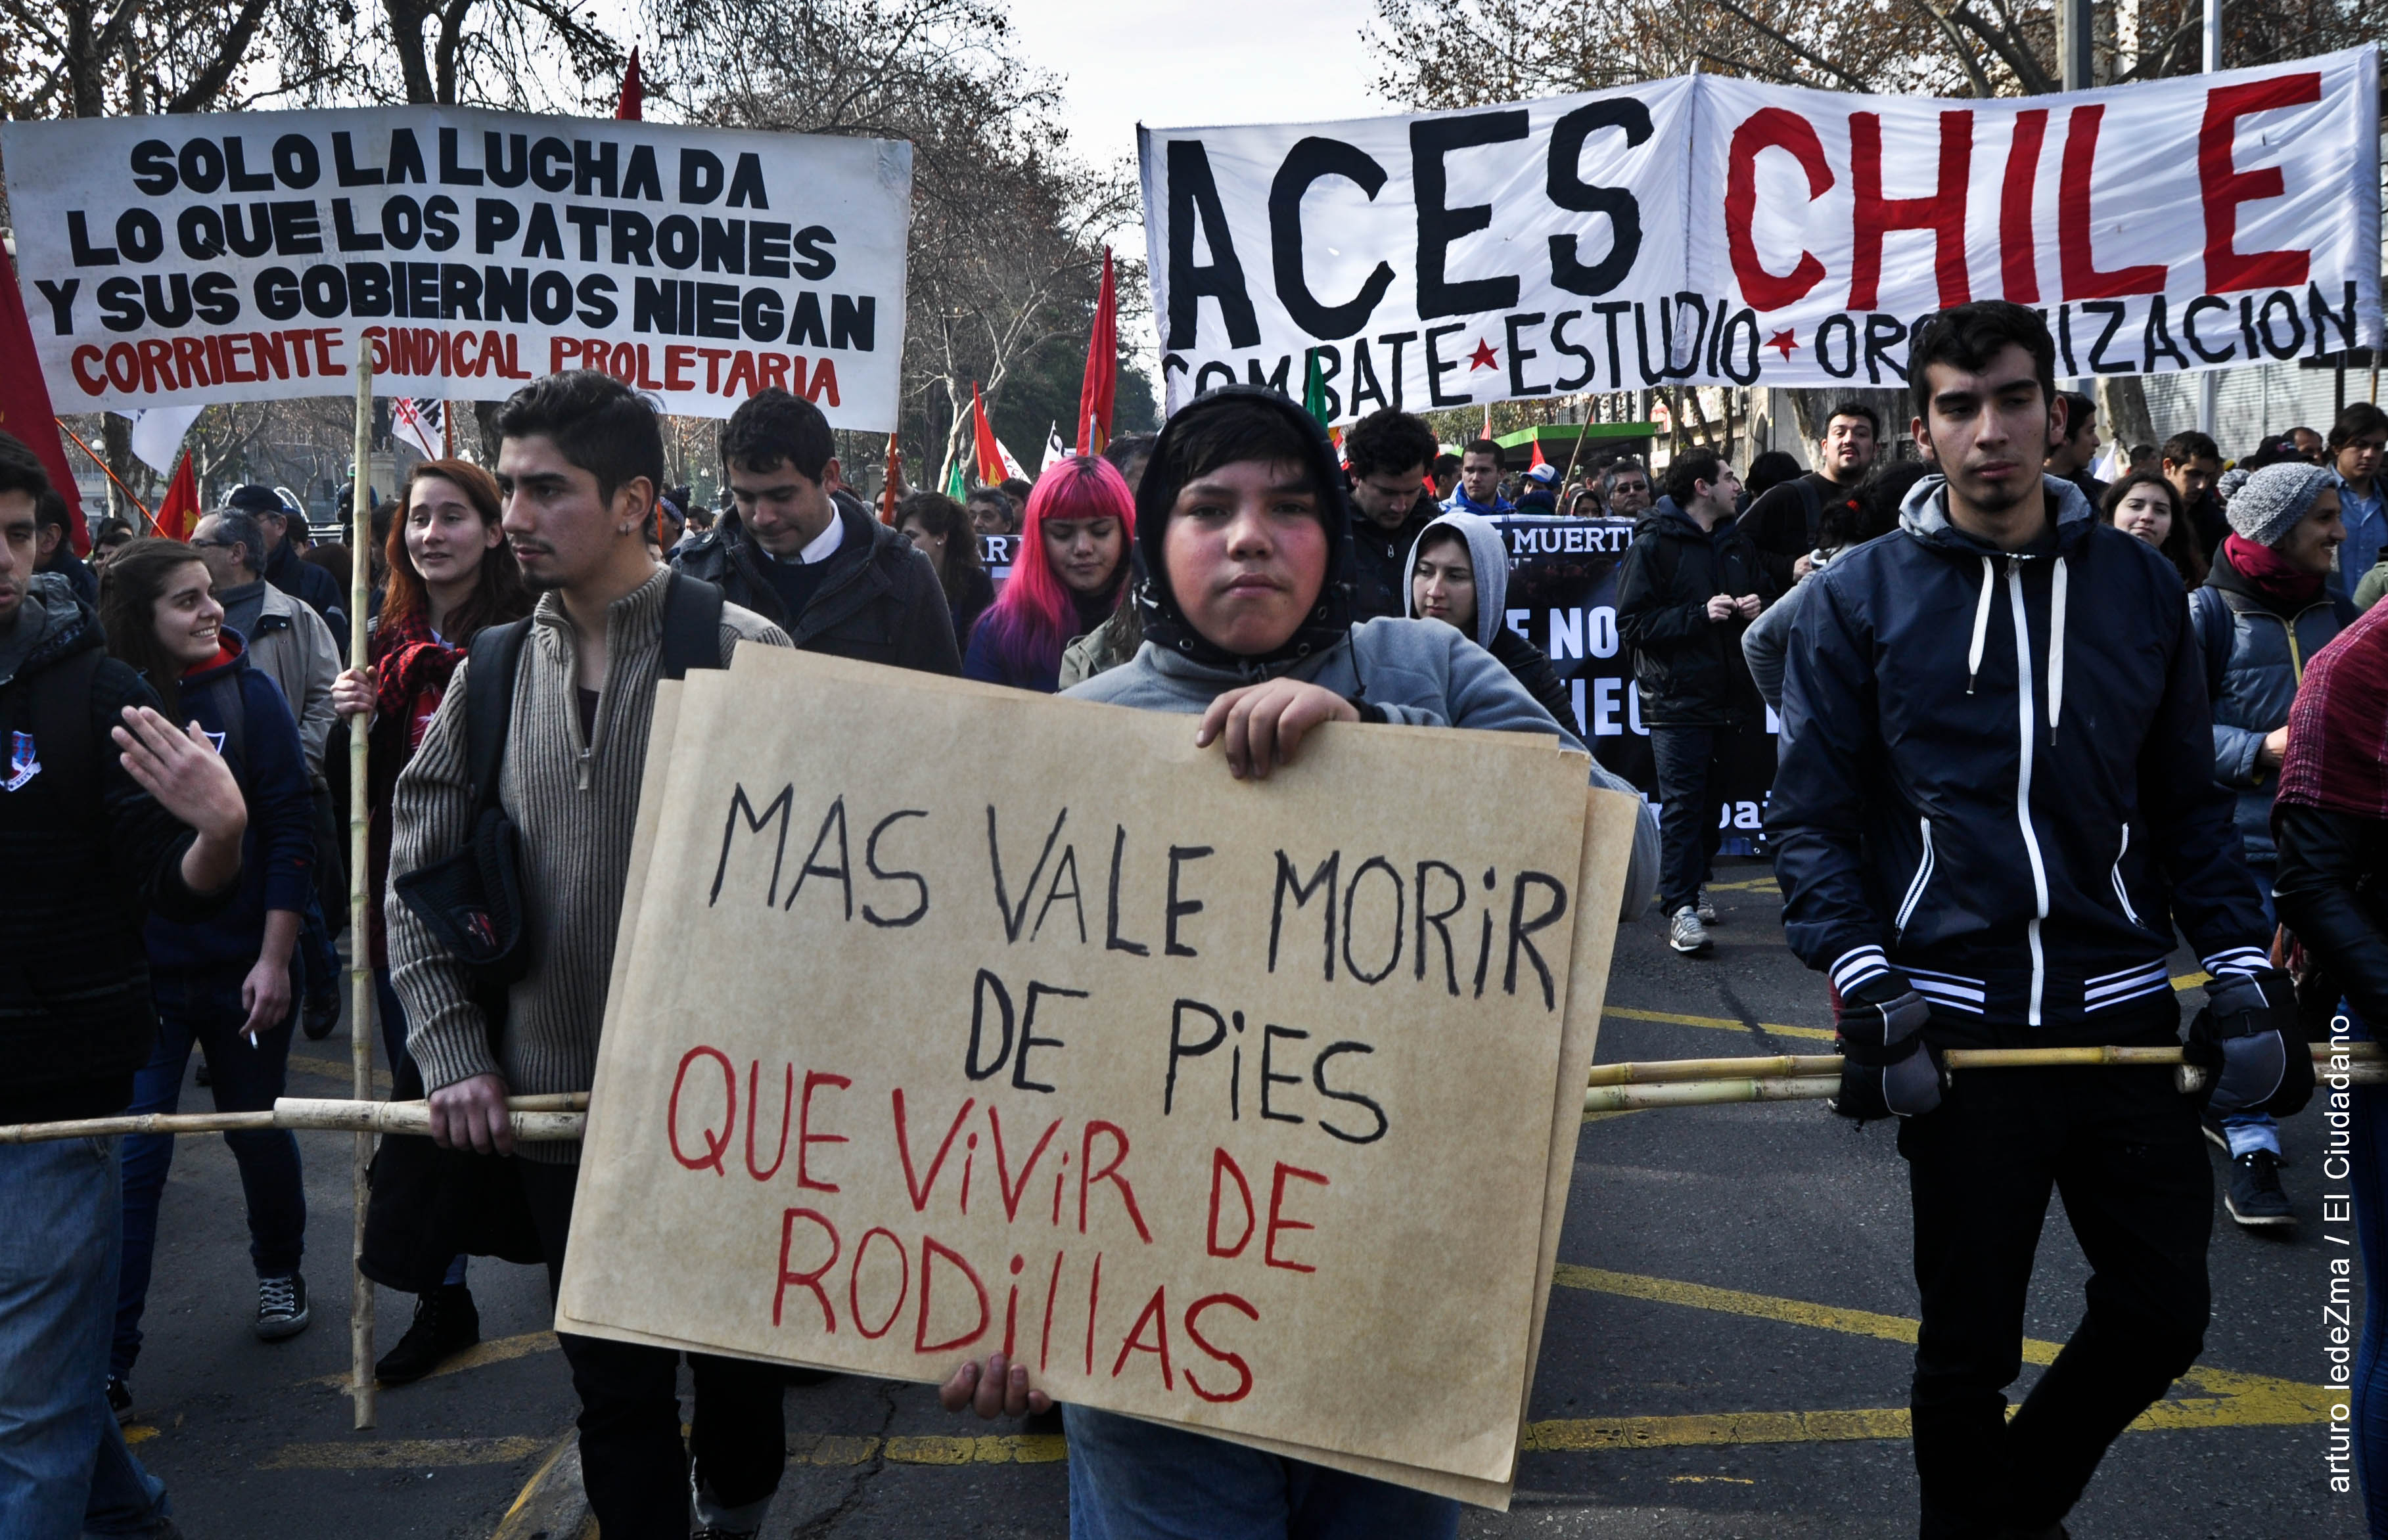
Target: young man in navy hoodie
106, 810
1996, 763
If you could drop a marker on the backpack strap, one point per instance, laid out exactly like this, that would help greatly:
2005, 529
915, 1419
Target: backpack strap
489, 704
61, 722
2211, 614
692, 626
1813, 501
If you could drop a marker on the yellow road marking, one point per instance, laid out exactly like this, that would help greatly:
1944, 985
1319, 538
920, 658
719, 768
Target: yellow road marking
1733, 1480
1621, 1112
139, 1433
2205, 1397
2192, 980
403, 1453
497, 1350
1760, 883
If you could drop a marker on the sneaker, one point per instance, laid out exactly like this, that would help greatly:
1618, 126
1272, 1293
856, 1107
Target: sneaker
1706, 910
322, 1013
446, 1322
2254, 1198
1686, 934
281, 1308
120, 1399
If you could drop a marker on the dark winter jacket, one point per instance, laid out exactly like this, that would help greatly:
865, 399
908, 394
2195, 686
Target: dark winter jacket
277, 854
880, 602
1787, 523
2329, 890
85, 851
1689, 668
1992, 766
2263, 648
64, 563
312, 583
1379, 559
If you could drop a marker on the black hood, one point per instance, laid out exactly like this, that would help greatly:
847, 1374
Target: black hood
1329, 620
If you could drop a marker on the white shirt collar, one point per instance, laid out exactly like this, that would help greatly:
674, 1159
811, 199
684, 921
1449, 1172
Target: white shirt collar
822, 546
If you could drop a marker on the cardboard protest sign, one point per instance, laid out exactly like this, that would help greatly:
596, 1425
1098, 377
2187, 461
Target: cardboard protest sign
210, 257
1217, 1102
1716, 229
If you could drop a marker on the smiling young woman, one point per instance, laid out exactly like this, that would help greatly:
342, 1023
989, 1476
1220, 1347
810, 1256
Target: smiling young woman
1070, 573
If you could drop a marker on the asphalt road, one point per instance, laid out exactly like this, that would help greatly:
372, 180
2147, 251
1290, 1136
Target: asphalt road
1724, 1355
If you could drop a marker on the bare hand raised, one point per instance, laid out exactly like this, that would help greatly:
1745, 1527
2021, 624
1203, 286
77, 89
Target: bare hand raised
184, 772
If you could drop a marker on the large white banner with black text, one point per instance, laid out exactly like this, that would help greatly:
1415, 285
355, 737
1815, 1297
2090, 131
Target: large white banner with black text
1730, 231
245, 257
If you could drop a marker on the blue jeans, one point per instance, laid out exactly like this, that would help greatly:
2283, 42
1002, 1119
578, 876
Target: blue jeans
203, 1007
64, 1469
1141, 1480
1689, 765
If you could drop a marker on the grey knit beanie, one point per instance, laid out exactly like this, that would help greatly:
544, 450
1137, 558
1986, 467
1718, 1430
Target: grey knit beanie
2274, 499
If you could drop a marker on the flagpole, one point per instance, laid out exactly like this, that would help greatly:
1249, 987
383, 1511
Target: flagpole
136, 503
360, 992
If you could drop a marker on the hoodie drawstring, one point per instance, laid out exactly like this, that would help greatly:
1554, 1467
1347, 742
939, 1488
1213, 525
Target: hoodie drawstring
1981, 624
2056, 651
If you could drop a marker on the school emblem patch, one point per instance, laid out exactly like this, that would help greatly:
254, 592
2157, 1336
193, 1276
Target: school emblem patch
24, 761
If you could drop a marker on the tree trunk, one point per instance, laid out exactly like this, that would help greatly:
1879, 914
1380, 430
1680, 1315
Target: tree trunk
116, 444
2123, 402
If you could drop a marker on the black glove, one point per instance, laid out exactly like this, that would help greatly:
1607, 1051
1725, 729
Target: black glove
2249, 1041
1886, 1070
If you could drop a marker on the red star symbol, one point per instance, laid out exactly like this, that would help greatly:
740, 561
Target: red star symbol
1783, 342
1482, 358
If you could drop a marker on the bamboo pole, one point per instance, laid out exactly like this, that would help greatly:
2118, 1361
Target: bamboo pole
297, 1113
361, 989
1672, 1071
1785, 1088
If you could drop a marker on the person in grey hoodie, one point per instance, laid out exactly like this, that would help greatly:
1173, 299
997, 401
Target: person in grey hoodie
1459, 574
1241, 522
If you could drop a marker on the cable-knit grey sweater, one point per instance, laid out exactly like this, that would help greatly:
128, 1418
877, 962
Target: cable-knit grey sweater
576, 805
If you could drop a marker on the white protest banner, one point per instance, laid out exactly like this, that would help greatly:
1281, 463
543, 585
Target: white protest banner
190, 259
1730, 231
870, 1096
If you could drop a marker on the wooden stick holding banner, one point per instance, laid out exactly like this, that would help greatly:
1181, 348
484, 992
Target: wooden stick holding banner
147, 517
1768, 1086
555, 1115
361, 991
1675, 1072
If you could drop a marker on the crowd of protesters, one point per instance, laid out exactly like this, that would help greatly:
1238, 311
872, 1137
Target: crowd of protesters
2032, 726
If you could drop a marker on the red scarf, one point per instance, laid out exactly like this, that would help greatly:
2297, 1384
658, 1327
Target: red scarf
2338, 729
223, 655
2270, 573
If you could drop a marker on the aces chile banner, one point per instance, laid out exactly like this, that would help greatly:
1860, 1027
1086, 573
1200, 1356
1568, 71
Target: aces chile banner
199, 258
1711, 231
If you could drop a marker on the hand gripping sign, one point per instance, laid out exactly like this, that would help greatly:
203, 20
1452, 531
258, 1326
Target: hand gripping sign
1221, 1104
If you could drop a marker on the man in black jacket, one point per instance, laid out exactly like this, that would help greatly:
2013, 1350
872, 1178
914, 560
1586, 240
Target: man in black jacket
811, 561
1386, 456
94, 802
1996, 776
1689, 584
1786, 522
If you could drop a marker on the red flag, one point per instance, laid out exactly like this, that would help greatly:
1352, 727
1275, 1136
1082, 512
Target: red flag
894, 476
1103, 370
180, 513
634, 92
990, 453
25, 403
1538, 454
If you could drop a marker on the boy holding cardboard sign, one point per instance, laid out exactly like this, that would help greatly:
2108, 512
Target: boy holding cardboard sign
1242, 522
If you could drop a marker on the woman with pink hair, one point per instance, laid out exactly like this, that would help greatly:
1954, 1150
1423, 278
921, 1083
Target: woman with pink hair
1070, 573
